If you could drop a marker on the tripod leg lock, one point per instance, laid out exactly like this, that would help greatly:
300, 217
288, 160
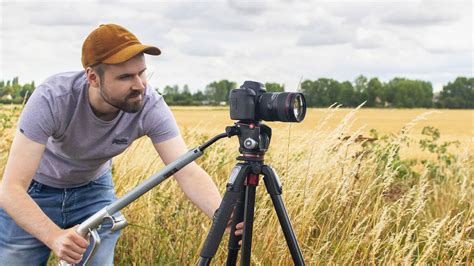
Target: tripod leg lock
272, 181
118, 223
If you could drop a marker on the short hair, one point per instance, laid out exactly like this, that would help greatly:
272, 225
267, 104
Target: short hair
100, 70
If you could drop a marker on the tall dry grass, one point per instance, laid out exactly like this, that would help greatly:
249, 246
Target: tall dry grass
350, 202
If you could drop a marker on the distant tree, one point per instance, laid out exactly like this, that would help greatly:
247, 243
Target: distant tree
186, 91
183, 97
199, 97
171, 90
218, 91
322, 92
26, 90
171, 93
320, 87
361, 86
458, 94
17, 91
274, 87
309, 92
401, 92
374, 93
346, 94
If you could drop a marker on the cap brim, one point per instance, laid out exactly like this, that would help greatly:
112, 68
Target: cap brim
130, 52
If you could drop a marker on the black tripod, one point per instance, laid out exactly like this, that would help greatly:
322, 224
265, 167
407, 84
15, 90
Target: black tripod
254, 140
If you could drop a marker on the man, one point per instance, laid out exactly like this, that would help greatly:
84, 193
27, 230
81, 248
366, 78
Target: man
58, 170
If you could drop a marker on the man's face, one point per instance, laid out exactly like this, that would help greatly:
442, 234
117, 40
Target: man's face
123, 85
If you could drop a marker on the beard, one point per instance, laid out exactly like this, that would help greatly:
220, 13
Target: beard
129, 104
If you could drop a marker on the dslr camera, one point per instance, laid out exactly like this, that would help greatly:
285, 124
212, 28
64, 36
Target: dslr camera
251, 102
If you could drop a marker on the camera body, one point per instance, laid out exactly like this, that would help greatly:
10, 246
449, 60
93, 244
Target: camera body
243, 101
251, 102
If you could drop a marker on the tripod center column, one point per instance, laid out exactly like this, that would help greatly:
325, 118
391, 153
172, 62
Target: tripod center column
252, 180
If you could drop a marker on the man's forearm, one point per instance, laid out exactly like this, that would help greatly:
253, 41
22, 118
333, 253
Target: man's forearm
201, 190
27, 214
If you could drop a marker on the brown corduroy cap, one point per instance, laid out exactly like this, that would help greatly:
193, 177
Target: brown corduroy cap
112, 44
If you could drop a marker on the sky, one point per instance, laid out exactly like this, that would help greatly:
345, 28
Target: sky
281, 41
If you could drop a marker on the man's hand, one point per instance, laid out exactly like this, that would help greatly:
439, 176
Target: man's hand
69, 246
239, 228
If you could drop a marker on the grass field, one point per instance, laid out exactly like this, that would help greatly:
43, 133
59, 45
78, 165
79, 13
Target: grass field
351, 200
454, 125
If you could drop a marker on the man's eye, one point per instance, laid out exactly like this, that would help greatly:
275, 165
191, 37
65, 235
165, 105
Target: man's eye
124, 78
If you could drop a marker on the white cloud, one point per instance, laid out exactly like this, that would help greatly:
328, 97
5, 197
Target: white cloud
426, 13
202, 48
278, 41
249, 7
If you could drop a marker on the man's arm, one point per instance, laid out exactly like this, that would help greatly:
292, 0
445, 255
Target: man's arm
22, 164
193, 180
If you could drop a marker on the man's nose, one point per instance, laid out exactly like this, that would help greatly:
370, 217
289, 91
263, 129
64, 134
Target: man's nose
139, 83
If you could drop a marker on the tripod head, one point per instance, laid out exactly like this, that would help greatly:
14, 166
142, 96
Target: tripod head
254, 139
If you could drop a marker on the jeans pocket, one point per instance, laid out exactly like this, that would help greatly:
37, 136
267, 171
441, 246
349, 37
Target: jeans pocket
96, 183
103, 181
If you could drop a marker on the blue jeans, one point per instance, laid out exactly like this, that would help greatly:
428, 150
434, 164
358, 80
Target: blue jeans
66, 207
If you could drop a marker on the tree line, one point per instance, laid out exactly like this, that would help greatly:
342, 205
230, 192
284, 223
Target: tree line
397, 93
323, 92
12, 92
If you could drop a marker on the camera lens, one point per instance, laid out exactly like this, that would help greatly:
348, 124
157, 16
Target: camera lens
299, 107
282, 106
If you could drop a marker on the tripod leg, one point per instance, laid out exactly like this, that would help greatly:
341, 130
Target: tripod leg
233, 191
234, 246
272, 183
248, 222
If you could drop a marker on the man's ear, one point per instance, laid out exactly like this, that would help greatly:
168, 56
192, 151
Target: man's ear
92, 77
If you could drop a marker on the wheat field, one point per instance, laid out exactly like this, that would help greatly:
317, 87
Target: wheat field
353, 196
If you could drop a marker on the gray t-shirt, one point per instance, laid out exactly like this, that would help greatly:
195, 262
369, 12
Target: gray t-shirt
79, 145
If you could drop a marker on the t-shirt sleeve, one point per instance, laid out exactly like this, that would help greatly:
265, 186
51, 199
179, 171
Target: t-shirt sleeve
37, 120
159, 122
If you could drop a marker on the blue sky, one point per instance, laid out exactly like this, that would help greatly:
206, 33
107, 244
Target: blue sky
278, 41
